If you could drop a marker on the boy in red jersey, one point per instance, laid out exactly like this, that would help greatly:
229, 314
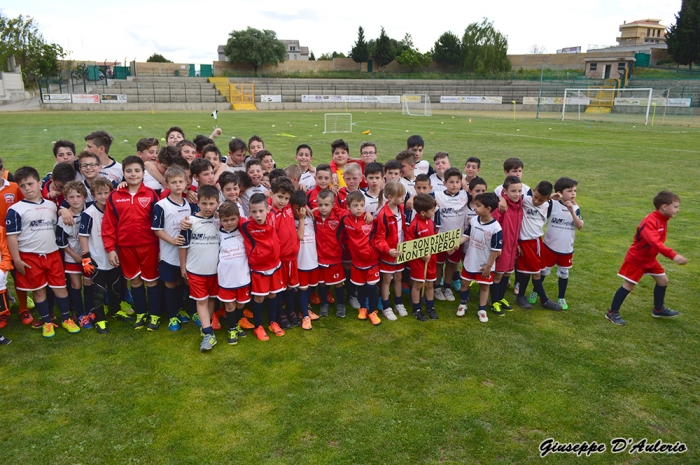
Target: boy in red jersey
131, 243
263, 249
323, 181
353, 178
390, 225
641, 258
363, 254
423, 226
330, 255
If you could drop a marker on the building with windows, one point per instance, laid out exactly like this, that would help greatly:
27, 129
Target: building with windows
642, 32
296, 51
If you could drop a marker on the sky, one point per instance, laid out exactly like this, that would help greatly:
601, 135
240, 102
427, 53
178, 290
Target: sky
191, 31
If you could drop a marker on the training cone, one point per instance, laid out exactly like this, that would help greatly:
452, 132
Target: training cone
367, 133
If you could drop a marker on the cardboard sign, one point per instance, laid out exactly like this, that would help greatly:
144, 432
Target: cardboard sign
430, 245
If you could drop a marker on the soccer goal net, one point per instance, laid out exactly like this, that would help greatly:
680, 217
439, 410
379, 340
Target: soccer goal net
337, 122
602, 103
416, 105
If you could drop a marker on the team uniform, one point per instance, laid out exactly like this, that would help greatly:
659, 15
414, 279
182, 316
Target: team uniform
341, 197
328, 246
307, 180
483, 239
531, 230
67, 237
511, 223
307, 260
423, 167
371, 203
232, 271
410, 185
202, 240
499, 189
420, 228
287, 234
245, 198
365, 258
167, 216
449, 216
437, 184
559, 239
112, 171
9, 195
649, 239
312, 195
152, 182
390, 232
263, 251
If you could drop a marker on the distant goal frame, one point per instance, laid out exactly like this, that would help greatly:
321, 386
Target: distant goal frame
587, 90
334, 119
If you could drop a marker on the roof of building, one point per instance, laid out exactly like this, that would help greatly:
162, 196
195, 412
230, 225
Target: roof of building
644, 22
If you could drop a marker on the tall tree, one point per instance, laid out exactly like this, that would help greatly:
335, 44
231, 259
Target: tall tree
447, 49
384, 51
157, 58
255, 47
360, 52
683, 38
484, 49
414, 59
312, 57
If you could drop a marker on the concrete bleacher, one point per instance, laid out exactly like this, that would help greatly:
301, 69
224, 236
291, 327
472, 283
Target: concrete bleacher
157, 89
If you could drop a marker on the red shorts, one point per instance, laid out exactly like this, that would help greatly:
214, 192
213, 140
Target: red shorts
551, 258
140, 260
203, 287
530, 262
478, 277
454, 257
262, 284
360, 277
73, 268
240, 295
45, 270
391, 268
633, 273
417, 268
331, 274
308, 278
290, 273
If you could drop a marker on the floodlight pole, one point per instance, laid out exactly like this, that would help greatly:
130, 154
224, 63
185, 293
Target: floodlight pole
539, 95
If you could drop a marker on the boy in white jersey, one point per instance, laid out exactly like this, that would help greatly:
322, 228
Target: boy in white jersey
98, 143
304, 156
452, 208
536, 209
233, 273
564, 220
442, 164
373, 193
168, 213
237, 150
307, 258
416, 145
408, 162
254, 185
471, 171
106, 279
485, 241
197, 263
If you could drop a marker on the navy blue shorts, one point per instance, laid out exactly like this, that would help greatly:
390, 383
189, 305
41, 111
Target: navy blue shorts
169, 273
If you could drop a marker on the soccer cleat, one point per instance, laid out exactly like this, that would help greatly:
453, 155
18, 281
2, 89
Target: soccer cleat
121, 315
438, 294
313, 316
70, 326
457, 284
215, 323
374, 318
340, 311
306, 323
283, 322
401, 309
533, 297
294, 320
85, 322
329, 297
354, 303
483, 317
432, 314
240, 332
174, 324
522, 301
389, 314
314, 298
208, 343
449, 296
260, 334
4, 318
232, 337
505, 305
153, 323
419, 315
25, 317
564, 305
4, 341
275, 329
30, 303
126, 308
362, 314
221, 312
551, 305
183, 316
47, 330
323, 310
247, 314
141, 320
614, 317
245, 324
101, 327
664, 313
496, 308
195, 318
461, 310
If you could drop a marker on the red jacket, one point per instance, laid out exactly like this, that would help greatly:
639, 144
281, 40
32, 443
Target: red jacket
360, 235
128, 218
419, 228
510, 222
286, 232
341, 197
311, 196
387, 236
363, 183
45, 194
328, 231
649, 241
261, 244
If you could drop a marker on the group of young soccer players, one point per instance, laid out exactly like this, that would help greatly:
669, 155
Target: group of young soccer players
198, 236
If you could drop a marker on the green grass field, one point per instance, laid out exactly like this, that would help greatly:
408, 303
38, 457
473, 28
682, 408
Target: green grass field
451, 391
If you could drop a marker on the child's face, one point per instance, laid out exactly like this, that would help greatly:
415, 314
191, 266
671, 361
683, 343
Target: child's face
422, 187
374, 181
568, 195
478, 189
441, 165
229, 223
340, 156
174, 138
238, 156
368, 154
133, 174
392, 175
177, 185
31, 188
407, 169
213, 158
255, 147
427, 214
303, 158
75, 199
89, 167
231, 191
206, 178
150, 154
670, 210
280, 200
101, 196
395, 201
325, 206
323, 179
538, 199
256, 174
90, 147
188, 153
352, 181
481, 210
208, 206
515, 172
453, 184
268, 164
357, 208
266, 179
65, 155
418, 150
514, 192
258, 211
471, 169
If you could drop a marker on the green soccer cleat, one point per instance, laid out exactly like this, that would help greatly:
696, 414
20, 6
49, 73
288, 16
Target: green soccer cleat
47, 330
232, 337
183, 316
505, 305
101, 327
121, 315
174, 324
141, 320
564, 305
153, 323
533, 297
70, 326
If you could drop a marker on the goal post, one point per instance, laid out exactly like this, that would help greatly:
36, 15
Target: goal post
602, 100
337, 122
416, 105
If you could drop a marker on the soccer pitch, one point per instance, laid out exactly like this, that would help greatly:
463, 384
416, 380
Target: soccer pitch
448, 391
